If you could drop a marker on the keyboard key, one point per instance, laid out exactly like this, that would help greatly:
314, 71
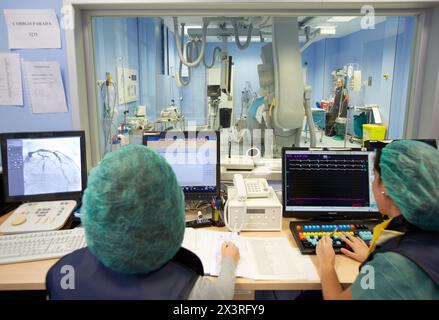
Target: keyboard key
40, 245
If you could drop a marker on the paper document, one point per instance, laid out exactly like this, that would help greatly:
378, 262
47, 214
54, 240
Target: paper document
275, 259
46, 90
31, 29
198, 242
245, 266
270, 258
11, 91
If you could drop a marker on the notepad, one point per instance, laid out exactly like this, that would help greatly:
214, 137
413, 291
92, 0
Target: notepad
267, 258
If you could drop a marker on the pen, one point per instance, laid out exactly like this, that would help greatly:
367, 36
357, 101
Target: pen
232, 232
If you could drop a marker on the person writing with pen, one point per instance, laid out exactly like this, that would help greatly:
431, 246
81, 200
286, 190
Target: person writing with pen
404, 253
133, 214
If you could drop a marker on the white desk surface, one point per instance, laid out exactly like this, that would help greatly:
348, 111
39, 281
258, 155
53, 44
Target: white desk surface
31, 275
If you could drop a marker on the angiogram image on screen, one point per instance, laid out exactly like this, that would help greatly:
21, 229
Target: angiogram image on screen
51, 165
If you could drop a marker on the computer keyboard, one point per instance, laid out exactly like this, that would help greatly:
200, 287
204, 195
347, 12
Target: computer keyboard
308, 234
40, 245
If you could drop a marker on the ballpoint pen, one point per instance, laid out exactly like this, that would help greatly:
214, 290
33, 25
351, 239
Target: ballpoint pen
230, 236
233, 232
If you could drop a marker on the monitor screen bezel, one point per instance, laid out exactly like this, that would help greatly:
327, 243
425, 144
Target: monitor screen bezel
195, 195
379, 144
77, 195
321, 214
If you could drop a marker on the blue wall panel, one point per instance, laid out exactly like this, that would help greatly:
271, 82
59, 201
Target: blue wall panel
15, 118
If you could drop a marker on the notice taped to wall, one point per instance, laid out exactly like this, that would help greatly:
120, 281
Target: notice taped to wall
11, 91
32, 29
46, 89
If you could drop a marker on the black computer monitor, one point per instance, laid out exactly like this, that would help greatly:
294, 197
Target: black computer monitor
328, 183
43, 166
194, 157
379, 144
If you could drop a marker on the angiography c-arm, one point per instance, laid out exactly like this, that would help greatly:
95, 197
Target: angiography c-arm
280, 74
198, 44
281, 79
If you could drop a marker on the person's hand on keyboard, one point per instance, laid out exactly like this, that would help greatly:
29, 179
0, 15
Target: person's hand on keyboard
360, 249
325, 254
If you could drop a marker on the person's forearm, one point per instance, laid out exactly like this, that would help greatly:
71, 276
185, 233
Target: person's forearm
226, 279
222, 288
331, 287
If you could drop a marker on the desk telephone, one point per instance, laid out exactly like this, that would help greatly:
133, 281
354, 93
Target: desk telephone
251, 188
252, 205
38, 216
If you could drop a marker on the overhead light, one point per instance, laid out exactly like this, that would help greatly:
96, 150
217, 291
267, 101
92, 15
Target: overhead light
191, 26
341, 19
326, 29
195, 26
244, 38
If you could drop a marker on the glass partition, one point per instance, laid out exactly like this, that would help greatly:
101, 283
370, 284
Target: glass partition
266, 82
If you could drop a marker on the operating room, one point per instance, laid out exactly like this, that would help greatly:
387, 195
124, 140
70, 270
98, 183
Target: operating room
373, 63
272, 134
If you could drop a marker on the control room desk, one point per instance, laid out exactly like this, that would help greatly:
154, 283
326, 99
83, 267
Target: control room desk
31, 275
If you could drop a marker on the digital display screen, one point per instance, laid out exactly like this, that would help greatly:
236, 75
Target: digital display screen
193, 157
328, 181
44, 165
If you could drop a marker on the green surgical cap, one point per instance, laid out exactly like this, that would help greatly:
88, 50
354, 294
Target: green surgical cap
133, 211
410, 173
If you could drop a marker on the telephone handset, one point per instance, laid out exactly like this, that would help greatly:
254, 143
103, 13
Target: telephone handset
250, 188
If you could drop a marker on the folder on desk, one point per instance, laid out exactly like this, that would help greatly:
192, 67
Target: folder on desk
268, 258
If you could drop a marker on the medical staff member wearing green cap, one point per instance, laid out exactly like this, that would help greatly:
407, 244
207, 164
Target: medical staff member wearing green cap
133, 214
403, 260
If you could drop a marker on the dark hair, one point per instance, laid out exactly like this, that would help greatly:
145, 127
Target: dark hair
376, 164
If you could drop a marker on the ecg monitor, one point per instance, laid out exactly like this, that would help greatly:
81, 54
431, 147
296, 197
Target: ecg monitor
319, 183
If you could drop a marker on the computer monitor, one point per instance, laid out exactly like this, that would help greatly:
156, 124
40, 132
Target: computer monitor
43, 166
379, 144
328, 183
194, 156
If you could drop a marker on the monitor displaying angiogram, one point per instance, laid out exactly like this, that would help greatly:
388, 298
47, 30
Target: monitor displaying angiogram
44, 165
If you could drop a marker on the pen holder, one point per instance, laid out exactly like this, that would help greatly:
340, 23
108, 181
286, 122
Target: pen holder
217, 218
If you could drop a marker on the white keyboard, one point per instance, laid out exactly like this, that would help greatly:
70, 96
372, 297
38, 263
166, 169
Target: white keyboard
40, 245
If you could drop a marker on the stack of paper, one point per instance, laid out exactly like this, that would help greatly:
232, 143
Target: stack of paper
270, 258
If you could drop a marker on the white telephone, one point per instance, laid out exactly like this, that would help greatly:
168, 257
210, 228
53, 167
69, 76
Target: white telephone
251, 188
252, 205
38, 216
